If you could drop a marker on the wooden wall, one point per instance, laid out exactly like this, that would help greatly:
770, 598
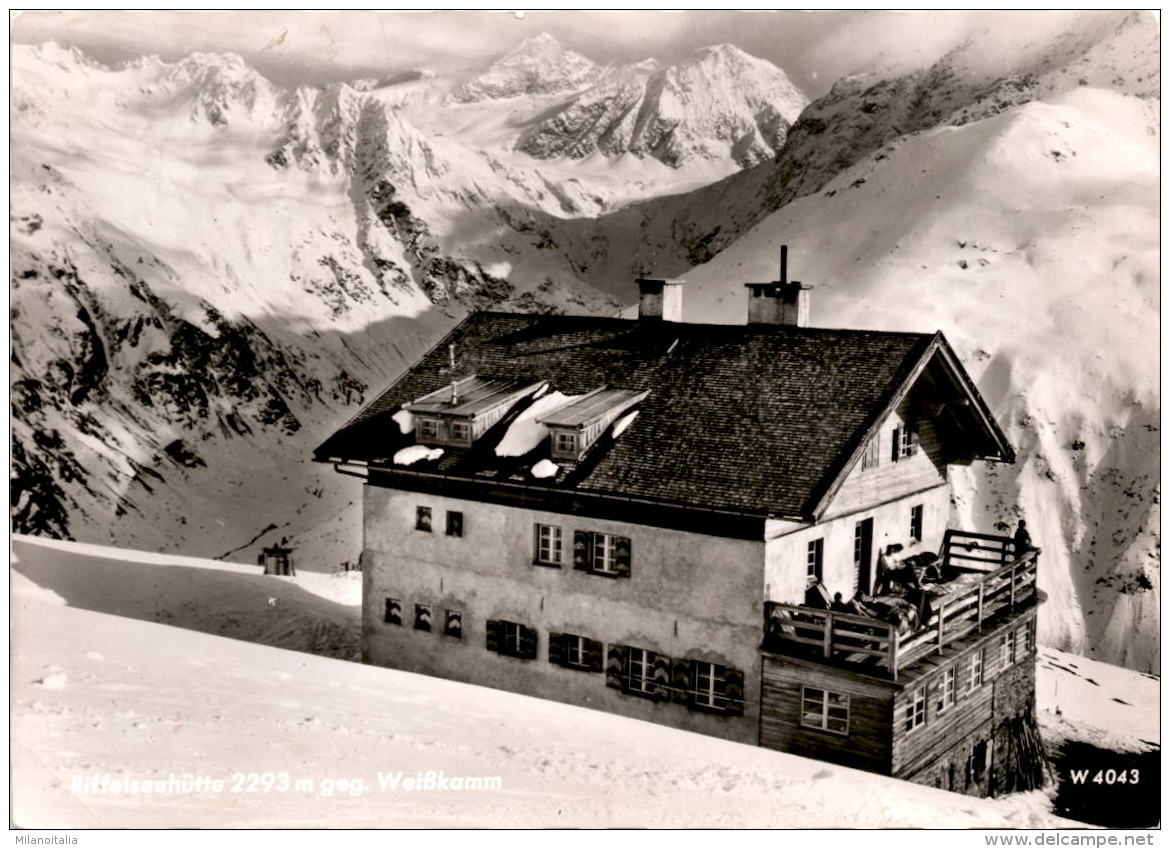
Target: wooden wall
866, 487
867, 746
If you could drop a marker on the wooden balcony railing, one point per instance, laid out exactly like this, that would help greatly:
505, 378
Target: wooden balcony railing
974, 597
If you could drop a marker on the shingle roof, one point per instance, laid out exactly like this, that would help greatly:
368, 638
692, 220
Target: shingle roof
750, 418
473, 395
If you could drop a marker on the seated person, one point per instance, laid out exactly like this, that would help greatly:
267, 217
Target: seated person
815, 594
839, 605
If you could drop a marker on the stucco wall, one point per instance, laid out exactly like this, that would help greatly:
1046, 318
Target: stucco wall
689, 596
787, 549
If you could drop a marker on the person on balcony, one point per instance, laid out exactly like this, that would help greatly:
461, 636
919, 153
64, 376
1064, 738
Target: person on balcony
815, 594
1022, 539
839, 605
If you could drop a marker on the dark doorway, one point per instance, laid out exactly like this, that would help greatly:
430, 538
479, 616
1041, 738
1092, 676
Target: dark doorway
863, 555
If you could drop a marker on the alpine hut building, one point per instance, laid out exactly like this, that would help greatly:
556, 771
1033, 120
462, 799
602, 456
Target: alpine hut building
684, 523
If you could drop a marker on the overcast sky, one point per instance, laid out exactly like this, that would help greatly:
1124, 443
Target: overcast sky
814, 48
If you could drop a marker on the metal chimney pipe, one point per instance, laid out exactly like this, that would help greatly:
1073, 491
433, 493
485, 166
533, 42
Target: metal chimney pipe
451, 354
454, 392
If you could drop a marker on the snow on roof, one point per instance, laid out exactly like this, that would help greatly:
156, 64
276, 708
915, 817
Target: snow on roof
545, 469
592, 406
525, 433
473, 395
411, 454
623, 423
405, 421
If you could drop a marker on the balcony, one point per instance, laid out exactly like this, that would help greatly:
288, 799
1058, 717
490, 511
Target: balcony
983, 581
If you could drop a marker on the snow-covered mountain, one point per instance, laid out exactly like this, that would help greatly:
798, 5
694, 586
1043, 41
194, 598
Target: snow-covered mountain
211, 271
539, 65
719, 103
1030, 237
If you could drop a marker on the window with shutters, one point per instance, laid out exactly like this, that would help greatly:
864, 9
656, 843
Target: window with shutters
422, 617
574, 651
422, 519
824, 710
640, 671
602, 554
393, 615
905, 442
454, 523
460, 431
916, 523
870, 454
709, 687
511, 638
815, 558
548, 545
915, 708
453, 624
946, 690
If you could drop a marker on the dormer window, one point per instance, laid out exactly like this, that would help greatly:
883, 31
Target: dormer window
578, 424
428, 429
564, 445
460, 412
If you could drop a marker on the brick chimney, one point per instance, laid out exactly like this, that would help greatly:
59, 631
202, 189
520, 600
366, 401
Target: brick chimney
780, 301
660, 299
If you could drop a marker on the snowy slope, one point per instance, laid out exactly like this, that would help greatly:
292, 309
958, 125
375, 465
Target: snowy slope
720, 103
141, 700
1031, 239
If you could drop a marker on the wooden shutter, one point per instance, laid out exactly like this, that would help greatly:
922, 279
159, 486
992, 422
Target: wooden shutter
583, 550
536, 542
621, 560
733, 692
593, 655
661, 677
897, 444
615, 665
527, 649
556, 649
393, 611
454, 624
495, 635
680, 682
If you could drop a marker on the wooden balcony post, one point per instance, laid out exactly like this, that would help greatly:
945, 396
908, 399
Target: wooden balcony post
828, 634
1014, 565
894, 652
981, 587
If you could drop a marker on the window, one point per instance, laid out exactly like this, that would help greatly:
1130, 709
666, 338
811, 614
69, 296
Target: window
393, 615
574, 651
975, 672
422, 617
946, 690
915, 708
422, 519
1007, 649
1026, 638
454, 523
548, 545
453, 623
824, 710
905, 442
713, 688
640, 675
565, 443
602, 554
605, 553
428, 430
816, 557
869, 455
916, 523
460, 431
511, 638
